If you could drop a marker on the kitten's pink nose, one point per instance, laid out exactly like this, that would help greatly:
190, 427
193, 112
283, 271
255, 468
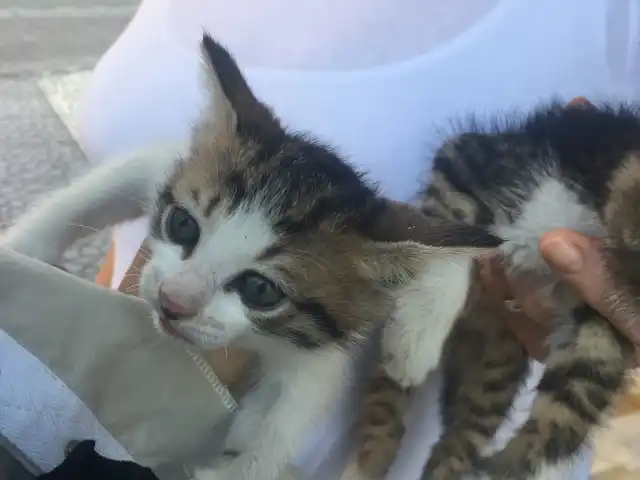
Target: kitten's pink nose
172, 308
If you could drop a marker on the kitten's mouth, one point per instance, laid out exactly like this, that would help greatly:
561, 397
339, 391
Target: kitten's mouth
186, 332
166, 325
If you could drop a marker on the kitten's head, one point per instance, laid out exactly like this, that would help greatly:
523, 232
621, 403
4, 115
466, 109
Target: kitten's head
263, 232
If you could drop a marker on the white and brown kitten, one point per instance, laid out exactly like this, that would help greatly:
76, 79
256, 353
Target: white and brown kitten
265, 238
575, 167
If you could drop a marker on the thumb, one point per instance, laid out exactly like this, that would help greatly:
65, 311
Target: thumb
576, 258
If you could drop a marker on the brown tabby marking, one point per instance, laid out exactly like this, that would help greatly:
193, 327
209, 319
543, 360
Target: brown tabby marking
595, 153
480, 346
381, 428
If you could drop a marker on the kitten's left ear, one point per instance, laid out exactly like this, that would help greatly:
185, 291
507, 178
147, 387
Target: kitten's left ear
234, 108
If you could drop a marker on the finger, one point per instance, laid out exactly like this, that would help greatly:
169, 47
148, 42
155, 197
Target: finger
533, 305
515, 290
529, 296
531, 334
494, 279
577, 259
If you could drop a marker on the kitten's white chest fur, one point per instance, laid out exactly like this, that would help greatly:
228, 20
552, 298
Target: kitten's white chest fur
551, 206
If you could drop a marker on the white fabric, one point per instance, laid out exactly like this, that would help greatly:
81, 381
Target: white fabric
39, 414
329, 34
384, 113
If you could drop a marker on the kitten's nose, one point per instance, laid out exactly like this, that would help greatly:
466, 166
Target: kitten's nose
172, 308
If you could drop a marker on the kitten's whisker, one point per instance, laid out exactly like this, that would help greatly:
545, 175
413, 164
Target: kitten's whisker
128, 197
86, 227
145, 253
131, 275
131, 287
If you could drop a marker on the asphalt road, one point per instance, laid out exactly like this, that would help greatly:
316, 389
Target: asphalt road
57, 35
37, 153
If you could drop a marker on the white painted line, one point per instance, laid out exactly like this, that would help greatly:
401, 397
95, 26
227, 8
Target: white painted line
63, 92
59, 65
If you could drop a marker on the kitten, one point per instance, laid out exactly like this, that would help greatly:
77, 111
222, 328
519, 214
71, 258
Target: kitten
576, 167
266, 238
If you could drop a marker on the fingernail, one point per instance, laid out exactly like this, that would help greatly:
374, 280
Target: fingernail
563, 255
513, 305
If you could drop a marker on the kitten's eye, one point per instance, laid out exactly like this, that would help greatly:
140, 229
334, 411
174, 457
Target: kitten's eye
181, 228
256, 291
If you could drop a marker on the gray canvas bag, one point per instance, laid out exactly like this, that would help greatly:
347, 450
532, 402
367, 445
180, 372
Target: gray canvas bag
158, 400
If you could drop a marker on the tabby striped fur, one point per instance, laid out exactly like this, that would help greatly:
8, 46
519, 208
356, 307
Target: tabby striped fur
576, 167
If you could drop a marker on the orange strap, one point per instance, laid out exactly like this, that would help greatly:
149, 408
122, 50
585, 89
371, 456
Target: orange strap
105, 275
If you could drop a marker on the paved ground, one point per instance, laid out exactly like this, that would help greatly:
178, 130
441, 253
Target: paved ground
37, 153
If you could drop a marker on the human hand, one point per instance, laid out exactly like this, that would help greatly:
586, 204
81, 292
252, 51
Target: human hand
576, 259
531, 322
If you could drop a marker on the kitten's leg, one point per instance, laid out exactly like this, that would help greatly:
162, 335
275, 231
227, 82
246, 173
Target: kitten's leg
483, 366
310, 385
251, 413
411, 346
380, 427
105, 196
583, 375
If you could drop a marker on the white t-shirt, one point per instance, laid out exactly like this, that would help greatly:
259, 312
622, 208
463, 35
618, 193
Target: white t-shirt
379, 79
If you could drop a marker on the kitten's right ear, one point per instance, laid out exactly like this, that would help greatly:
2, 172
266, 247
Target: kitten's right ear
233, 106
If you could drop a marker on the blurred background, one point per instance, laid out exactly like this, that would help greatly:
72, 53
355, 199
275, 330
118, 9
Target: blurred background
46, 45
47, 50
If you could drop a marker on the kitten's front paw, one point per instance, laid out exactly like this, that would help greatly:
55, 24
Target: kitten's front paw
30, 246
407, 370
235, 444
354, 472
215, 473
219, 469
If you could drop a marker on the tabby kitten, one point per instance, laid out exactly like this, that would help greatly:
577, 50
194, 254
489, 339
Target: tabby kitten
576, 167
265, 238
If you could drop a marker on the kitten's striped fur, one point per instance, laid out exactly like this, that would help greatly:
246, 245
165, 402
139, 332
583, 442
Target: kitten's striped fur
576, 167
